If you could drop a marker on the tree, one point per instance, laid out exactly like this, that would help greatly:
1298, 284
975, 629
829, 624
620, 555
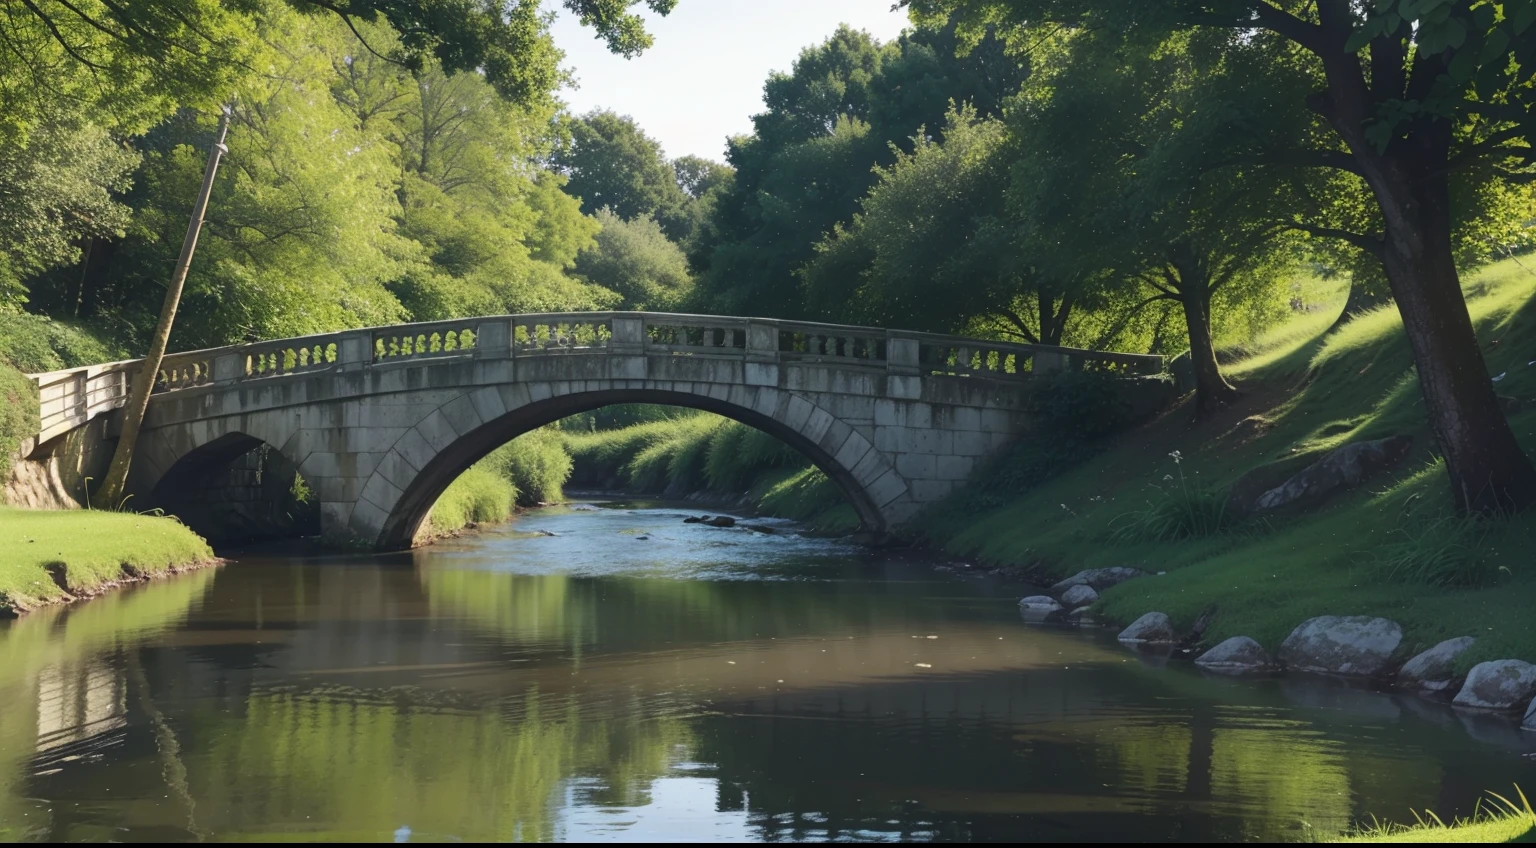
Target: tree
610, 163
849, 105
57, 191
636, 259
1414, 90
698, 176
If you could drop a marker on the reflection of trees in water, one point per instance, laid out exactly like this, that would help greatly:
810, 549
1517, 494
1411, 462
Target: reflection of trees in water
357, 765
62, 684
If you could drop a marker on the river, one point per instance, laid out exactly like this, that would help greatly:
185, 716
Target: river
614, 674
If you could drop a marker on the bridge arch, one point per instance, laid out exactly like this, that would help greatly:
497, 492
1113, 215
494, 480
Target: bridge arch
380, 421
415, 489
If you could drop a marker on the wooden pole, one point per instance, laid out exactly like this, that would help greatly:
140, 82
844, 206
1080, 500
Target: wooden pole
111, 492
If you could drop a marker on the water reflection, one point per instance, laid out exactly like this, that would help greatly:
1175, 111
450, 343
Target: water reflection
536, 687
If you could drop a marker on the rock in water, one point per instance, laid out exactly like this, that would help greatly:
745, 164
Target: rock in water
1356, 645
1154, 628
1097, 579
1498, 685
696, 519
721, 521
1238, 655
1434, 670
1040, 603
1078, 596
1343, 468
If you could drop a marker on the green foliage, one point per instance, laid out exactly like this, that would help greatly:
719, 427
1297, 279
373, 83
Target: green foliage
537, 465
1496, 819
19, 418
36, 344
1083, 404
612, 164
635, 259
1434, 547
479, 495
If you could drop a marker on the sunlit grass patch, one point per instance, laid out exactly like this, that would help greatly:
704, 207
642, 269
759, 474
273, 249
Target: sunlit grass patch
1497, 820
87, 549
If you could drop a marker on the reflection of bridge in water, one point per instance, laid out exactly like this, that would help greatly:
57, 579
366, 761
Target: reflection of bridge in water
381, 421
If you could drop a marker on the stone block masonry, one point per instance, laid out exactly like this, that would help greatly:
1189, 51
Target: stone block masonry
380, 421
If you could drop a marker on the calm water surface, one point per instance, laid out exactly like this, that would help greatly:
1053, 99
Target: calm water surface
693, 684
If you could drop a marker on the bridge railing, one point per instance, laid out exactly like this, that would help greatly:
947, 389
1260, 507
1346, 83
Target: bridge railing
72, 397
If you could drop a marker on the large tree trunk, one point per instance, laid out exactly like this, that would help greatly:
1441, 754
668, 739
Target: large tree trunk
1211, 388
1489, 472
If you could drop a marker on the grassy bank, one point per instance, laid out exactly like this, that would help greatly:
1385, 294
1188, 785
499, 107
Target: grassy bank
527, 471
695, 452
1155, 497
1500, 820
52, 557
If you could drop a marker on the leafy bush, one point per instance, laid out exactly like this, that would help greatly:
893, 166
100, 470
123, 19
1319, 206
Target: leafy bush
1186, 510
1083, 403
35, 344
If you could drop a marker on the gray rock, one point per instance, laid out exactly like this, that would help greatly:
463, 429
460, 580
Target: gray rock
1098, 579
1498, 685
1079, 596
1238, 655
1154, 628
1342, 644
721, 521
1343, 468
1040, 603
1530, 718
1433, 670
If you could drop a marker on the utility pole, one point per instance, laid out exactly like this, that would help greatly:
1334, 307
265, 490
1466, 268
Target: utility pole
111, 492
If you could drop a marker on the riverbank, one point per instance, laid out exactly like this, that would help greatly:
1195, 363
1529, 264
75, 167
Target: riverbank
55, 557
1169, 497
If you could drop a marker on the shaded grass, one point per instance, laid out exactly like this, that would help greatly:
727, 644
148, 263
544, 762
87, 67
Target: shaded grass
478, 496
1304, 395
86, 550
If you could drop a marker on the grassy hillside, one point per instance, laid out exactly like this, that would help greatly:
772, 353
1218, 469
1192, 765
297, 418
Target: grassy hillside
1154, 497
86, 551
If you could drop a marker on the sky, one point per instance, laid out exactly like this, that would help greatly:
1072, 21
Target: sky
703, 79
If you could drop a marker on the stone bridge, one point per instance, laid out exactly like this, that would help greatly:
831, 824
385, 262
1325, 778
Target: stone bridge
380, 421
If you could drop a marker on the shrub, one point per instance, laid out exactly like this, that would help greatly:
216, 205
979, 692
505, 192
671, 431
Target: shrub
35, 344
1083, 403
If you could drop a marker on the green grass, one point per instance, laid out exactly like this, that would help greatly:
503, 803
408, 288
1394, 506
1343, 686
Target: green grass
479, 496
1501, 820
700, 452
1389, 548
88, 550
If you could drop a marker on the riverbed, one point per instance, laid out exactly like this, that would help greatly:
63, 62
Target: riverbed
607, 672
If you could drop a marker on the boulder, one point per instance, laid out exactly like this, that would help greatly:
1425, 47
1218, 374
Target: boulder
1238, 655
1498, 685
696, 519
1530, 718
1097, 579
1357, 645
1343, 468
1078, 596
1040, 603
720, 521
1434, 670
1154, 628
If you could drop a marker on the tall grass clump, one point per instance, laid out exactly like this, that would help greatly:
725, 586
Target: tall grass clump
738, 454
1496, 819
1434, 547
1186, 510
536, 463
480, 495
18, 414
